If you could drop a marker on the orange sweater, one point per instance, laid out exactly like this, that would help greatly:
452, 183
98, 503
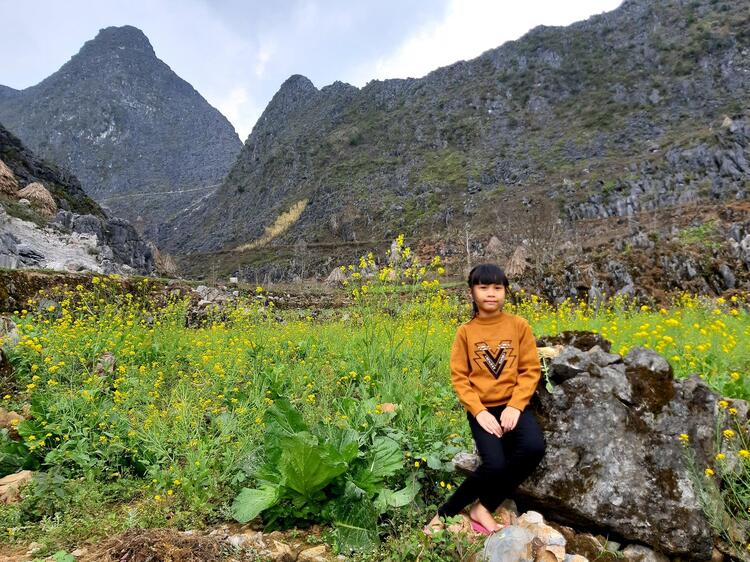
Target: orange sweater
494, 361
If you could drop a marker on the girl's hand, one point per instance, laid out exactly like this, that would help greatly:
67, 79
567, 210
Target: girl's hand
489, 423
509, 418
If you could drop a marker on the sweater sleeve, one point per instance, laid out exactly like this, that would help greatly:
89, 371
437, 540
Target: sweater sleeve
460, 370
529, 370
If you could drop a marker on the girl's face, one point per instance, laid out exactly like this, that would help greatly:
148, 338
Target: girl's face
489, 298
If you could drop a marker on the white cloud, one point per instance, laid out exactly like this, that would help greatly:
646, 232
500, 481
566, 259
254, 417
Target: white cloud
471, 27
264, 54
231, 105
240, 108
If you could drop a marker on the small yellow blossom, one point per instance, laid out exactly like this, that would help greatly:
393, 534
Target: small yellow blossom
709, 472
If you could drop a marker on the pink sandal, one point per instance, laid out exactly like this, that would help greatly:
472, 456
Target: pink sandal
479, 528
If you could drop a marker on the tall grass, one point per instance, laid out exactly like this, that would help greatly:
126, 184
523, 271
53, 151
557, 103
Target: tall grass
122, 391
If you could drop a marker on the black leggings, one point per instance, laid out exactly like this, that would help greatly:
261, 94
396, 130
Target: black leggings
506, 462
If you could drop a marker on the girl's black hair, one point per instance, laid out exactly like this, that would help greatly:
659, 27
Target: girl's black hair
487, 274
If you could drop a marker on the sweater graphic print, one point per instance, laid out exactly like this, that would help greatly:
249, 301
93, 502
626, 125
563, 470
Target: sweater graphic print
494, 361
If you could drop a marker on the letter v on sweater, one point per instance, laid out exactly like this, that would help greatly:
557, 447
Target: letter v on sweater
494, 361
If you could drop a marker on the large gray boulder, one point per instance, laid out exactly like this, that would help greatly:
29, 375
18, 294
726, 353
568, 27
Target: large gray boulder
120, 243
614, 462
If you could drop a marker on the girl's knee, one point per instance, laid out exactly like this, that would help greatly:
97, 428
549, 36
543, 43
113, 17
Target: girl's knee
540, 450
535, 450
494, 467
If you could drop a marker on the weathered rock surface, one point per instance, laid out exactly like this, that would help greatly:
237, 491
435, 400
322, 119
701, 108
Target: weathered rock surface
25, 245
10, 486
612, 426
69, 231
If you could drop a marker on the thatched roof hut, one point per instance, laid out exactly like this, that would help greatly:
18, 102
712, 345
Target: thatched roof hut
336, 276
8, 181
40, 198
517, 264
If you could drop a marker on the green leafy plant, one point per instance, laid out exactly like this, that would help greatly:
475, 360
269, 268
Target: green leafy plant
326, 474
59, 556
15, 456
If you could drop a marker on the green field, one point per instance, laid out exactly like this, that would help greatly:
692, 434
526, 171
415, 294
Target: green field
342, 417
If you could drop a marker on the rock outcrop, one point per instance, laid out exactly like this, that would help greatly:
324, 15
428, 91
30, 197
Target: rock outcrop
76, 243
61, 228
614, 461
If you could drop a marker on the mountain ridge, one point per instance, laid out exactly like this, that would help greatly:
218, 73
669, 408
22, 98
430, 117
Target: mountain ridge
509, 129
122, 121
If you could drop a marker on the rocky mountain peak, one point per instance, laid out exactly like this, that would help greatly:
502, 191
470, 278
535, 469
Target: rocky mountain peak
127, 126
295, 91
338, 88
6, 92
114, 39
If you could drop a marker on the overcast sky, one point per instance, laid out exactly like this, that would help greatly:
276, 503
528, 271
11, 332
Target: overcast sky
236, 53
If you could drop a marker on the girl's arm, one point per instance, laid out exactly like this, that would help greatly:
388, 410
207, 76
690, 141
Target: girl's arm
460, 374
529, 369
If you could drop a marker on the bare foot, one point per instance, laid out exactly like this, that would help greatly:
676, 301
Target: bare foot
480, 514
435, 524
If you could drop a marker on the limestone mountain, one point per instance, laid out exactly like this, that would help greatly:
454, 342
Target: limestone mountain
607, 118
142, 141
73, 233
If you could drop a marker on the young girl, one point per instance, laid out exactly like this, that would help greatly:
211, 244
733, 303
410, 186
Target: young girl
494, 370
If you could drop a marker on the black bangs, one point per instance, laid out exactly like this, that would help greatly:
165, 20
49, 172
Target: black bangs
487, 274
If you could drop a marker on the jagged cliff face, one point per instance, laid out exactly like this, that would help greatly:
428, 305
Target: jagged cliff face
81, 236
128, 127
29, 168
611, 116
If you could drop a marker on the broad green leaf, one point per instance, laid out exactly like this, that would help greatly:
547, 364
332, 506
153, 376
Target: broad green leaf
382, 461
305, 466
355, 519
282, 415
29, 427
386, 457
15, 456
434, 462
388, 498
342, 444
282, 420
250, 502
